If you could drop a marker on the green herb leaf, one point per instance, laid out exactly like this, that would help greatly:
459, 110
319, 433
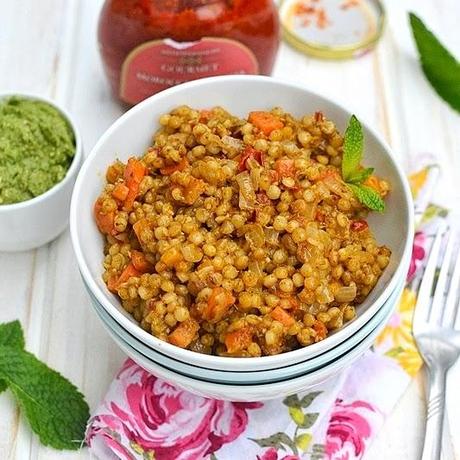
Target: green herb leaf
352, 148
11, 335
440, 67
368, 197
360, 176
55, 409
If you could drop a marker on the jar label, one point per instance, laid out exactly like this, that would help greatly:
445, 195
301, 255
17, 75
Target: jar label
160, 64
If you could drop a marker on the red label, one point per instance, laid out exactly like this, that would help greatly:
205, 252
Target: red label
160, 64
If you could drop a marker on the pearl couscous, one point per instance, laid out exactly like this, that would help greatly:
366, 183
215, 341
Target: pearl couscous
238, 237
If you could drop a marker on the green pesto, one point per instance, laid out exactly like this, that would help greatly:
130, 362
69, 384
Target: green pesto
37, 146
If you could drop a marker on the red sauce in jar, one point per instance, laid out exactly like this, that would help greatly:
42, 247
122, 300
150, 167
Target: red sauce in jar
150, 45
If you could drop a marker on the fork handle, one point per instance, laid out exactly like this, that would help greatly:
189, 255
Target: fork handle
435, 415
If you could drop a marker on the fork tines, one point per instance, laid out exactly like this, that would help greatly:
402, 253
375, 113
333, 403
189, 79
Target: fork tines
438, 297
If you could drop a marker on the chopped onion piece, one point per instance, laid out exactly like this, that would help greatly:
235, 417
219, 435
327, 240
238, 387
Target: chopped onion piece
247, 198
345, 294
271, 236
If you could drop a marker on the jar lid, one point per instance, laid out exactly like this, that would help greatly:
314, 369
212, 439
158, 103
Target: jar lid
332, 29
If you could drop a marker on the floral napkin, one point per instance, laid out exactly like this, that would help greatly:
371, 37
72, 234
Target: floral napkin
144, 418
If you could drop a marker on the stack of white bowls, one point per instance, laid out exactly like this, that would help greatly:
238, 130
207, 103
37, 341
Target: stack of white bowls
240, 379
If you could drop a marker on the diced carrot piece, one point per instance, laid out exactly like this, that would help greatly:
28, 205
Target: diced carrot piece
140, 262
168, 170
265, 121
172, 257
219, 303
321, 330
285, 167
120, 192
205, 115
238, 340
134, 173
112, 283
129, 272
293, 303
193, 190
184, 333
139, 227
282, 316
104, 221
328, 172
273, 175
130, 199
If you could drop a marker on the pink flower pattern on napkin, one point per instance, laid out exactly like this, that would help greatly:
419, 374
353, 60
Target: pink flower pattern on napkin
170, 422
348, 430
418, 254
272, 454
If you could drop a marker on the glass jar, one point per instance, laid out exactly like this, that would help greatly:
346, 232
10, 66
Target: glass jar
150, 45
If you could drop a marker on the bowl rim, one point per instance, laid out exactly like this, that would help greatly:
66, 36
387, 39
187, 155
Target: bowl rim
74, 165
188, 355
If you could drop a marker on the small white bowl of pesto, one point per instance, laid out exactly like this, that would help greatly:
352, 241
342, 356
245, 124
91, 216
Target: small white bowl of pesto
40, 156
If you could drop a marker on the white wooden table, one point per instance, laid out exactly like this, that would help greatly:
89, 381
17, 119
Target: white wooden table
49, 47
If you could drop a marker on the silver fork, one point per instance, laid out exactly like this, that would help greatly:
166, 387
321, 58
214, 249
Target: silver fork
436, 329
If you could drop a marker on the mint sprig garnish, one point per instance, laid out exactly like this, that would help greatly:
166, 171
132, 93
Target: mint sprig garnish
440, 67
368, 197
353, 144
360, 176
352, 172
55, 409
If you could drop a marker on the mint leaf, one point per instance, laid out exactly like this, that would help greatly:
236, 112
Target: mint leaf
360, 176
54, 408
368, 197
11, 334
440, 67
352, 148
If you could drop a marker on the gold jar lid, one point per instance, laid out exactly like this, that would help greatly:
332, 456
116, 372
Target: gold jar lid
332, 29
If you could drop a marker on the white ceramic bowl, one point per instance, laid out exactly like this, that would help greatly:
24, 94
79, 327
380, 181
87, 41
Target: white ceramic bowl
244, 392
38, 221
132, 133
255, 377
